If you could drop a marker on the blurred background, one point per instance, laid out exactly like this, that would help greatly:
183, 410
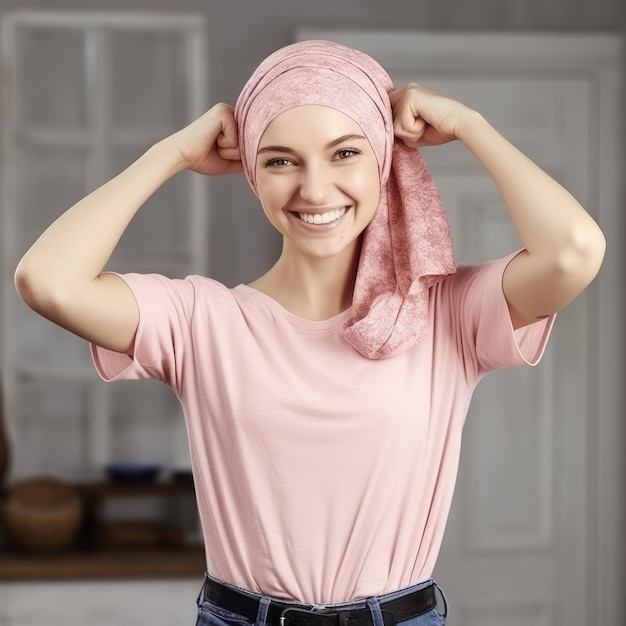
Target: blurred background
106, 530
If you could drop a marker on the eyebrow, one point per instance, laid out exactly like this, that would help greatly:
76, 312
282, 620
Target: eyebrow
328, 146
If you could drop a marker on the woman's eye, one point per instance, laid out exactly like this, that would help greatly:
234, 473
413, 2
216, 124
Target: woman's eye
346, 153
277, 163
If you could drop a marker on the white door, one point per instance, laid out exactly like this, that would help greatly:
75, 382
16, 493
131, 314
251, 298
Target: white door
523, 540
515, 550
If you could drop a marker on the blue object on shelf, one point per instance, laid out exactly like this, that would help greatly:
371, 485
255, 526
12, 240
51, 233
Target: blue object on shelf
132, 472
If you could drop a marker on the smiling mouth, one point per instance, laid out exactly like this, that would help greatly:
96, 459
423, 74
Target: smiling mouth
322, 218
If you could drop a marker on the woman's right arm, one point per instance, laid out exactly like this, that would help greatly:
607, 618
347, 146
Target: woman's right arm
61, 276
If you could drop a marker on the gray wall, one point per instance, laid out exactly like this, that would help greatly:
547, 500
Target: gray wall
242, 32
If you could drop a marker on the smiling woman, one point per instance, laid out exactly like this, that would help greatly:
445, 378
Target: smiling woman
324, 401
318, 181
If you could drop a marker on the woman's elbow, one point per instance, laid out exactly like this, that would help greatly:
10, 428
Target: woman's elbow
23, 280
36, 288
584, 254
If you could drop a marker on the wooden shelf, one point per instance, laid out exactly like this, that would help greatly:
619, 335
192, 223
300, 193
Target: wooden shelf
130, 489
96, 493
118, 564
94, 558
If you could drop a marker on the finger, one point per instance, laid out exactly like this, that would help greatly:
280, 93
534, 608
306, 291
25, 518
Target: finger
227, 140
410, 114
228, 137
413, 144
394, 96
407, 117
410, 129
229, 154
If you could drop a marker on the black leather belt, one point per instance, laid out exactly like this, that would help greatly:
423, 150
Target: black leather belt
290, 614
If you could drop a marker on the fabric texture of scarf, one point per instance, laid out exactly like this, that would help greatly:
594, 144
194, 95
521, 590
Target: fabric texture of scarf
407, 247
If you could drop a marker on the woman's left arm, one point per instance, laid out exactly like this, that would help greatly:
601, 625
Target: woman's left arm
564, 246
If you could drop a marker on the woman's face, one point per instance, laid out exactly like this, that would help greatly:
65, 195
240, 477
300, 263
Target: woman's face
317, 179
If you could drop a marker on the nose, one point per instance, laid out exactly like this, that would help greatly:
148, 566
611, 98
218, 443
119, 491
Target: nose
316, 184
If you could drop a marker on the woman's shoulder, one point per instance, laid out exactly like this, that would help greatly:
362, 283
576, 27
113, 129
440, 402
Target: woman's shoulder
158, 289
205, 283
210, 292
190, 282
482, 273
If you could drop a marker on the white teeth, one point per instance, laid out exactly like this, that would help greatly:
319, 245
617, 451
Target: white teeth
322, 218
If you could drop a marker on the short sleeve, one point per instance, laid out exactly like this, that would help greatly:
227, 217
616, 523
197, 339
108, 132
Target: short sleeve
480, 317
165, 307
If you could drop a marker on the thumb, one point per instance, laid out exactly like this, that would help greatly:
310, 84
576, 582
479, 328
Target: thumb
229, 154
231, 158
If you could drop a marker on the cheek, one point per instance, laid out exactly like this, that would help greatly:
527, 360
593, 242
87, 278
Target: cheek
365, 182
271, 192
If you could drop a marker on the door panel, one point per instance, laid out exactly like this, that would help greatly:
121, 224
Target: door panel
512, 553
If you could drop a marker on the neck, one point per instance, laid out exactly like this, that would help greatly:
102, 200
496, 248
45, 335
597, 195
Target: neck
311, 287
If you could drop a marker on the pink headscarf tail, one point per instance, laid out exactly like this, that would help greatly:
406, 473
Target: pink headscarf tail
407, 247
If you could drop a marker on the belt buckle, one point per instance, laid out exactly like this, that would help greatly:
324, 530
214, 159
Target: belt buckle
308, 615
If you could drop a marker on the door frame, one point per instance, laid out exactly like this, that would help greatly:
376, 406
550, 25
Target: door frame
600, 58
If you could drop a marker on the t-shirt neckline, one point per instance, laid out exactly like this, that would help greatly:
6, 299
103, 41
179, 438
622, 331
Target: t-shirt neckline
297, 321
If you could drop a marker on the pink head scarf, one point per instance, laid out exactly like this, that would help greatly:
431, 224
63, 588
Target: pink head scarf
407, 247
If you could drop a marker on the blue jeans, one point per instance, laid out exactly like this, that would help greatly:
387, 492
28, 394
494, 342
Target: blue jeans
211, 615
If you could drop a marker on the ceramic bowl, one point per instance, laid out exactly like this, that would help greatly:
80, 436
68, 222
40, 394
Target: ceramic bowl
41, 516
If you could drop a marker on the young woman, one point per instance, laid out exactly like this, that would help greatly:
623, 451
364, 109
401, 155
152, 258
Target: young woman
325, 400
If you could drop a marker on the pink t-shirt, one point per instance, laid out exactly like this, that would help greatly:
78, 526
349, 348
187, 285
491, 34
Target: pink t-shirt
321, 476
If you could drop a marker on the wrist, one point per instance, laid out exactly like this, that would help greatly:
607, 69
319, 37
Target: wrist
168, 153
469, 121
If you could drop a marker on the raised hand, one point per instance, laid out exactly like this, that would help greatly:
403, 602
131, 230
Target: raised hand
423, 117
209, 145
